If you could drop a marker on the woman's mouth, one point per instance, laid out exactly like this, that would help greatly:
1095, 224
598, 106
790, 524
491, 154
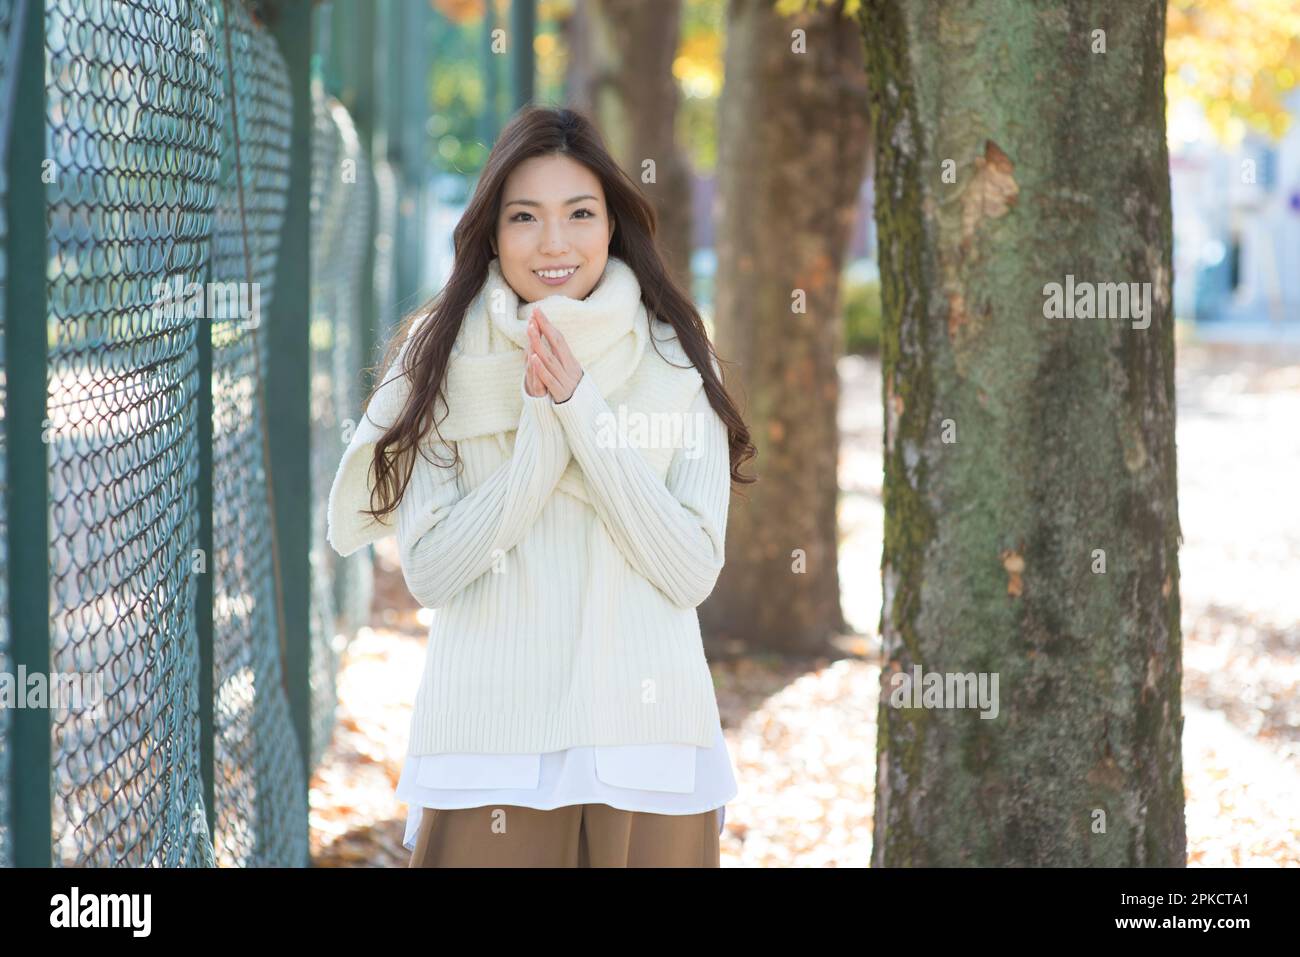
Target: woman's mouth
555, 277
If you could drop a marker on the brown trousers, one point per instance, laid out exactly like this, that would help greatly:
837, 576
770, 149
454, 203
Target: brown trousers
577, 835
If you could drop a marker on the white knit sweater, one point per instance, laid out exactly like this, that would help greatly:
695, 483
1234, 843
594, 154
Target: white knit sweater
550, 633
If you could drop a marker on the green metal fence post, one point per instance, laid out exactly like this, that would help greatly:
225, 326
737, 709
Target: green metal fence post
523, 26
412, 133
204, 583
399, 26
363, 115
288, 396
27, 453
488, 120
380, 273
341, 59
391, 118
350, 76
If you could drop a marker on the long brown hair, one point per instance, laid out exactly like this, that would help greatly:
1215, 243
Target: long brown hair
536, 131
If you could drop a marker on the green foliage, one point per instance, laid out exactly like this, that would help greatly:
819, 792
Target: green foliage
458, 97
698, 69
789, 8
862, 316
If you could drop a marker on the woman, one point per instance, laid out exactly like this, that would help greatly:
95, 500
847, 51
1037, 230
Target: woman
565, 514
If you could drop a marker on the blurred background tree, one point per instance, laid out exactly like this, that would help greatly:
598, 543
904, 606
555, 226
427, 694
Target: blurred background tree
793, 155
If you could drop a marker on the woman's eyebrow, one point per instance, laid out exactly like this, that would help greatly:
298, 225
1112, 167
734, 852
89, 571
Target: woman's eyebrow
567, 202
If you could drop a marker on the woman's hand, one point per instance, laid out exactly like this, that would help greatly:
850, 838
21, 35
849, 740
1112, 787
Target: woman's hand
549, 361
533, 383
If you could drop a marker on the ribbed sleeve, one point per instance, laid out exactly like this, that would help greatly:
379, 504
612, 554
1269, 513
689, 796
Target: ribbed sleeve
672, 531
445, 540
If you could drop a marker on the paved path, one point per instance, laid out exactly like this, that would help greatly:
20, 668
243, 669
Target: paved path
802, 734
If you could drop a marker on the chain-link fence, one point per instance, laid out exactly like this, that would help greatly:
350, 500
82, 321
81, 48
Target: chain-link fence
341, 199
134, 136
260, 813
168, 126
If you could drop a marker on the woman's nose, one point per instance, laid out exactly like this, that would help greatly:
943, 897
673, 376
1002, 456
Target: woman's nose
553, 240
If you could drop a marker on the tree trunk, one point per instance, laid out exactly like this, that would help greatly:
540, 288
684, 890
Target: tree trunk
579, 72
635, 96
792, 154
1022, 451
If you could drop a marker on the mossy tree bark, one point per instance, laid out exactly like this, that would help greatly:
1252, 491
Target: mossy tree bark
793, 144
1022, 452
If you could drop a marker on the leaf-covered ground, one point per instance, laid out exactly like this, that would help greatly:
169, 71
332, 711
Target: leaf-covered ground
802, 733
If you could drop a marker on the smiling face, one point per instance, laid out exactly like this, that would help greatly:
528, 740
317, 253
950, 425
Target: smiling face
553, 231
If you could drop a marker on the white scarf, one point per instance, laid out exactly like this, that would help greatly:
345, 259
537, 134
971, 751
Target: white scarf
609, 333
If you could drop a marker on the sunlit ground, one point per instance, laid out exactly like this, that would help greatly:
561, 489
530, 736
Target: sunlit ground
802, 734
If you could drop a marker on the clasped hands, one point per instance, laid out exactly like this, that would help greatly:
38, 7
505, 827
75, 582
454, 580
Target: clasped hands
549, 364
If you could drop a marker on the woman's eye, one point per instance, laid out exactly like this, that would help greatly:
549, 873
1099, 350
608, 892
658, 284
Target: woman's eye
515, 218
